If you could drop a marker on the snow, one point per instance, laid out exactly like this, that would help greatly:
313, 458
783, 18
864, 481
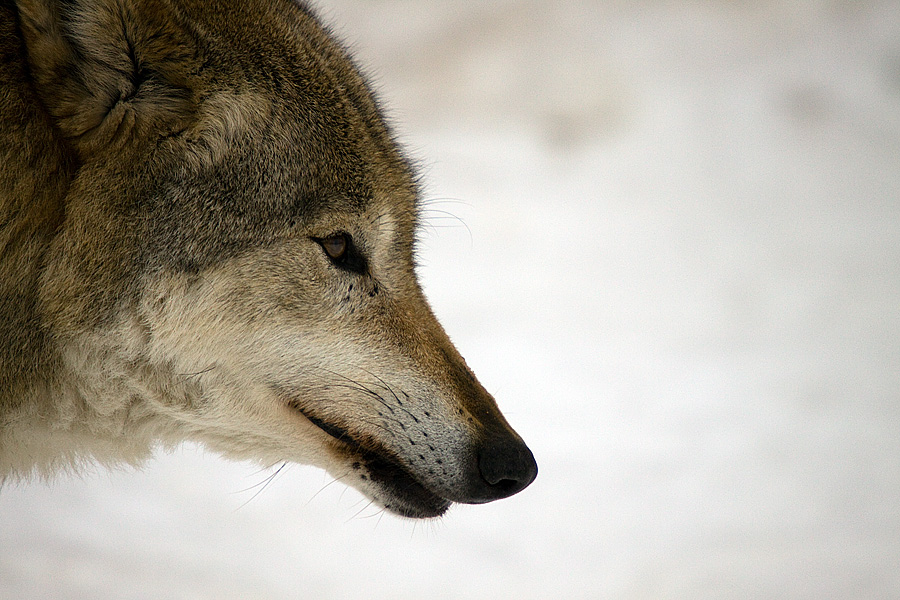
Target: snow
666, 236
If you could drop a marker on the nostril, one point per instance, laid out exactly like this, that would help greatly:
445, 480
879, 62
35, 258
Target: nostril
507, 485
506, 468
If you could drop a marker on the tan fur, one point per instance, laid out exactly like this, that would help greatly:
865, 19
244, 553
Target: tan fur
170, 171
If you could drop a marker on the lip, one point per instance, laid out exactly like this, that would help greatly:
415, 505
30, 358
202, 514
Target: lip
404, 494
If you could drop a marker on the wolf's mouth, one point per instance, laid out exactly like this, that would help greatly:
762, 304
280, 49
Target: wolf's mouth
404, 494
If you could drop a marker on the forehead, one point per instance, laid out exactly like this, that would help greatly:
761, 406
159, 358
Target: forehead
341, 174
287, 133
258, 168
314, 96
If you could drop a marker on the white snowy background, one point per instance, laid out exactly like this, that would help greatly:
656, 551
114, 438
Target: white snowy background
680, 276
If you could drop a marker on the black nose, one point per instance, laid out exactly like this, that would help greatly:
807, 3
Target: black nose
506, 467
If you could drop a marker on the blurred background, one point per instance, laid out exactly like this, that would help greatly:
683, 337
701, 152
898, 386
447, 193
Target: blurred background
666, 236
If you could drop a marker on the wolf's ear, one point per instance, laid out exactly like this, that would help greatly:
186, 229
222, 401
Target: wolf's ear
108, 75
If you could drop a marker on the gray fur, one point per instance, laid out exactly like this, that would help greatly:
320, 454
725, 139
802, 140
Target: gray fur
169, 170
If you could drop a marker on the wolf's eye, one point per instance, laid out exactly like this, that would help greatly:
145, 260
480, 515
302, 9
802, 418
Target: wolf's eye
343, 252
335, 246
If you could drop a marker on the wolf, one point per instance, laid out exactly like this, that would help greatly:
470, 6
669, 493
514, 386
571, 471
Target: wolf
207, 233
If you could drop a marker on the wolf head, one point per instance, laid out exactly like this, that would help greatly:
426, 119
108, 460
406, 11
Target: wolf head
236, 264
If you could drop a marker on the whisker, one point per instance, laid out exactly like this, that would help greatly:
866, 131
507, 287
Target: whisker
326, 486
378, 514
257, 472
430, 214
198, 373
394, 394
368, 504
361, 387
367, 389
437, 200
265, 484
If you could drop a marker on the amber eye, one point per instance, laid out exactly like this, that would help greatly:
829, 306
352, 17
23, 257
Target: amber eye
335, 246
343, 252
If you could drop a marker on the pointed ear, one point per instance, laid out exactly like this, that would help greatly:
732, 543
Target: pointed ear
108, 75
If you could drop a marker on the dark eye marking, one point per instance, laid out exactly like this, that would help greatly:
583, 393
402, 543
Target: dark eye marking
343, 253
